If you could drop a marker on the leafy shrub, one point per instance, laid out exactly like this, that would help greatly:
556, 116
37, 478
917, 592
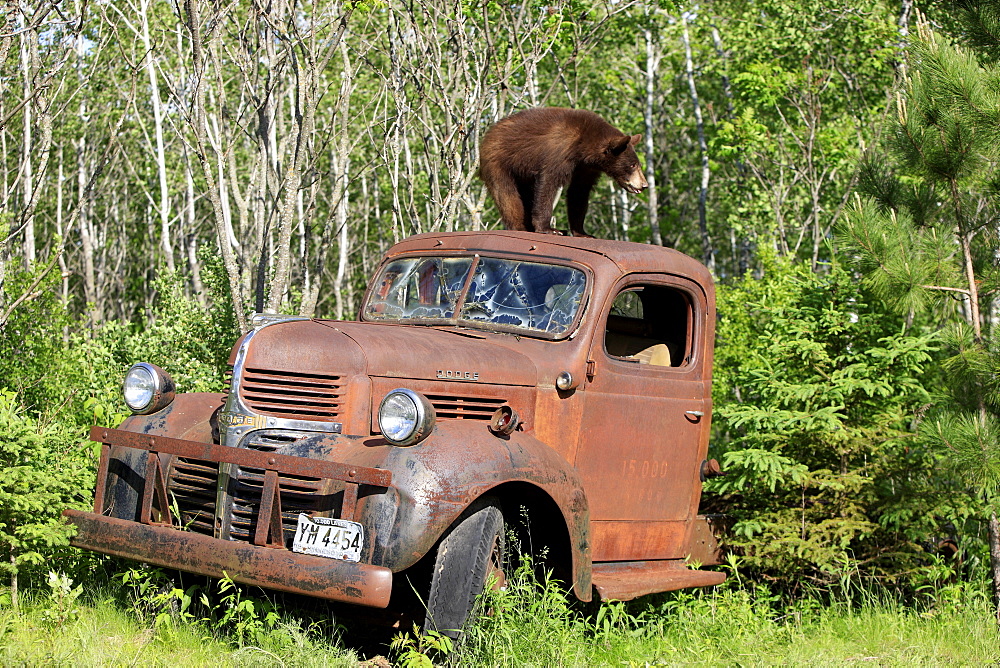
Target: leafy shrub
816, 398
65, 378
68, 372
44, 470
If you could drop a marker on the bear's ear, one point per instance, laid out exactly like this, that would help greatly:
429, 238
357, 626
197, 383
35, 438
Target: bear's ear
635, 139
618, 145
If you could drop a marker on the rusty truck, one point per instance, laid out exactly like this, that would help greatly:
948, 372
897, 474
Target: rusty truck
491, 380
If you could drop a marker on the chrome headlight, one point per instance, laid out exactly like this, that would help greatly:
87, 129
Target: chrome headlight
405, 417
147, 388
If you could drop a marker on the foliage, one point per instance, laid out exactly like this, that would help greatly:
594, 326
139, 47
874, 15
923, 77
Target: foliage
44, 470
62, 599
100, 629
226, 610
59, 383
738, 623
804, 82
76, 377
815, 398
418, 650
924, 234
741, 622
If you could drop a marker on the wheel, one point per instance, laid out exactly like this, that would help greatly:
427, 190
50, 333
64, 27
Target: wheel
466, 558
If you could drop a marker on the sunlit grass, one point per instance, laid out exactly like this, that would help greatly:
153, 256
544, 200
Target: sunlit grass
531, 623
101, 630
535, 626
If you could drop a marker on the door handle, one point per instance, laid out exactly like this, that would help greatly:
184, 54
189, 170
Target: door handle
695, 413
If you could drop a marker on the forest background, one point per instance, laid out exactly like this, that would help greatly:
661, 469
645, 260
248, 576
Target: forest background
167, 169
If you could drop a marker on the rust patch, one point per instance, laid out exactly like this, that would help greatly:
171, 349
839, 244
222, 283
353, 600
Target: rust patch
261, 566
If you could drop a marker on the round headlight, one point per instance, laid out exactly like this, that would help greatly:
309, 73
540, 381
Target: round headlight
405, 417
147, 388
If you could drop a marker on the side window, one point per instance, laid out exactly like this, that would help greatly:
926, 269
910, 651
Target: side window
650, 324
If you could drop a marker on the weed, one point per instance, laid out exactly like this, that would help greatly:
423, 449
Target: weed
419, 650
62, 599
248, 618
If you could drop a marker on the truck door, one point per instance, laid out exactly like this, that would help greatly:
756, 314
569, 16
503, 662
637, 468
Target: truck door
647, 409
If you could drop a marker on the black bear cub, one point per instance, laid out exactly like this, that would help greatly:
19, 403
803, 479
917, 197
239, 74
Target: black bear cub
525, 158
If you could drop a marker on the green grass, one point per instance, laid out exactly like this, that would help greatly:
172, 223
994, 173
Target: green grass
140, 622
733, 626
105, 635
143, 623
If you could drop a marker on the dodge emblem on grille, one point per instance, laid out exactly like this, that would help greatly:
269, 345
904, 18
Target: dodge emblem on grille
239, 420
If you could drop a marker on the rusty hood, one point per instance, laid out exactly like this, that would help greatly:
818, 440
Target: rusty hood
387, 350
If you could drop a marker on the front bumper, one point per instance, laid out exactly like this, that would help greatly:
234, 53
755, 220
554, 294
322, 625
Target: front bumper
263, 559
262, 566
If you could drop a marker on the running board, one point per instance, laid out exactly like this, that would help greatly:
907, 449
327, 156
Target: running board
625, 580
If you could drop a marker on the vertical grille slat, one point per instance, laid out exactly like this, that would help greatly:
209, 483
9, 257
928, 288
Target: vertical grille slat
298, 495
193, 485
293, 395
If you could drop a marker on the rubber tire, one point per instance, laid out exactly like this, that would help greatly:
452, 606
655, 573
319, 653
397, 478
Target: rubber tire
472, 549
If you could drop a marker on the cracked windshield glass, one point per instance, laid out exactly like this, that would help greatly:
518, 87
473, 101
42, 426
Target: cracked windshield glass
503, 294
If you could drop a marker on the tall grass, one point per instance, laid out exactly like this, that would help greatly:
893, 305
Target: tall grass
533, 624
140, 618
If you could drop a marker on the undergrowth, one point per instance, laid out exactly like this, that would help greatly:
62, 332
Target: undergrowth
143, 617
533, 623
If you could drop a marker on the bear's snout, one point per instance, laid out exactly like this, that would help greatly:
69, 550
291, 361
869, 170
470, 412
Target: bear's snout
636, 182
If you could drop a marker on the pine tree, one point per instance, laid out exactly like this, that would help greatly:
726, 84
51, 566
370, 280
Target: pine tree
924, 229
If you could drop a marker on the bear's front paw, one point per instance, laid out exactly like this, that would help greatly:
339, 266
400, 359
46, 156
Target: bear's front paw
552, 230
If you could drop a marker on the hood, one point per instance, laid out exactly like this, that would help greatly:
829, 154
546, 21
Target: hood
391, 351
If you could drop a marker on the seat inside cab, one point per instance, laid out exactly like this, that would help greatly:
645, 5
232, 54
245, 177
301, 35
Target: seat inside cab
649, 325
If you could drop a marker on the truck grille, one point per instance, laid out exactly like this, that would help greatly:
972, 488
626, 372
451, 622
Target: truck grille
192, 488
193, 484
464, 408
297, 396
299, 494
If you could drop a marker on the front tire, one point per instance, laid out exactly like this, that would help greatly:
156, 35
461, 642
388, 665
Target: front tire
466, 558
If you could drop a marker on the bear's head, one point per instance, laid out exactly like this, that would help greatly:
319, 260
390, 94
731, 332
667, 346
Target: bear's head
622, 164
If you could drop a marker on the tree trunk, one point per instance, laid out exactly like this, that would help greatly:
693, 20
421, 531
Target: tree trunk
200, 123
25, 223
344, 246
64, 270
193, 263
14, 603
308, 62
161, 157
995, 562
707, 249
86, 235
653, 203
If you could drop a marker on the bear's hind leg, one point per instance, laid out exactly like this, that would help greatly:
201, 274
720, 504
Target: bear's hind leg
507, 196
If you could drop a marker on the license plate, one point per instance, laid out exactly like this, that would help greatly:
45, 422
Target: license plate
327, 537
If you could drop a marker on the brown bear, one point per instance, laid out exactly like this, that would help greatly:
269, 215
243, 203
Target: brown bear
525, 158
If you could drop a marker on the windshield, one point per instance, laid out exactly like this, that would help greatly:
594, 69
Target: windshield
503, 294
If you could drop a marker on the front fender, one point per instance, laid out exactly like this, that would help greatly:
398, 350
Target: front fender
187, 417
461, 461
